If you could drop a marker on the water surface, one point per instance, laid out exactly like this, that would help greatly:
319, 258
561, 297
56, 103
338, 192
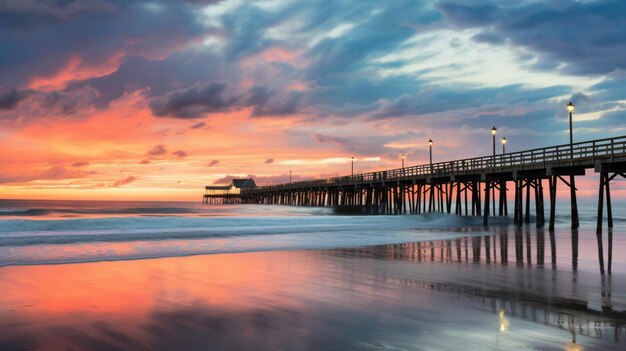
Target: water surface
433, 282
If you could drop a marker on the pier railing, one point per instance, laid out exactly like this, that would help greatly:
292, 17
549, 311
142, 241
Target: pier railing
579, 154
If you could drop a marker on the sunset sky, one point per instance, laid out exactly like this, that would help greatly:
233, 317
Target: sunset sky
155, 99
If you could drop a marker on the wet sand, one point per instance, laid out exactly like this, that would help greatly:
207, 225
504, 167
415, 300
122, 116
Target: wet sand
512, 289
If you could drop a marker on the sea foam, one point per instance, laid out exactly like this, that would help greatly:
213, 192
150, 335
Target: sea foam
112, 238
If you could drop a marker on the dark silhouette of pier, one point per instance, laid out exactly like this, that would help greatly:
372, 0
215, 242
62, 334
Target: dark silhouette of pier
475, 186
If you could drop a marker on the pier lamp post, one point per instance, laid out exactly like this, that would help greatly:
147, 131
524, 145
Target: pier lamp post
493, 189
352, 171
503, 145
572, 179
493, 133
403, 156
570, 109
430, 149
289, 177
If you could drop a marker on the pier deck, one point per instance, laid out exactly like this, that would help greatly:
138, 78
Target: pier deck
474, 186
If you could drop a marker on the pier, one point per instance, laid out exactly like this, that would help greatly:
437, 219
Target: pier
474, 186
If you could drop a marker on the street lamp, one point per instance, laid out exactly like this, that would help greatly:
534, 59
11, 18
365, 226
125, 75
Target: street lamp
493, 188
289, 177
570, 109
403, 156
503, 145
572, 179
493, 132
352, 172
430, 149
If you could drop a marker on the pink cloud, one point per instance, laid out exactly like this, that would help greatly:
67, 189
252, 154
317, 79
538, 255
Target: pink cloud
180, 153
157, 150
58, 172
124, 181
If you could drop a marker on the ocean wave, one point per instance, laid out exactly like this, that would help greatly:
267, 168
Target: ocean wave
110, 239
36, 212
42, 232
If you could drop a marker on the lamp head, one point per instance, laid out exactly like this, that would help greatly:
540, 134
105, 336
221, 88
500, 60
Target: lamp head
403, 156
503, 140
430, 142
570, 107
493, 130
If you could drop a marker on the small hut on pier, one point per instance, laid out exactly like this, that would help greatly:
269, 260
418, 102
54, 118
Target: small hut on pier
227, 194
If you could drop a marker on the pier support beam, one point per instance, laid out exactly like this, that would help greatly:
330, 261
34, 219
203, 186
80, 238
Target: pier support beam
574, 203
552, 181
605, 180
488, 186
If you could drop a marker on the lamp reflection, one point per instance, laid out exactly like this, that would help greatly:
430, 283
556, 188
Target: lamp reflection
504, 322
572, 346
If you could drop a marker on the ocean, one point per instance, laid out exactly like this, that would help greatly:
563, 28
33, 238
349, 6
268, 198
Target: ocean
179, 275
31, 231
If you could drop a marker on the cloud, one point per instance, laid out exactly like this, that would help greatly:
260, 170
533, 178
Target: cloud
213, 163
124, 181
55, 172
585, 35
9, 178
183, 86
195, 101
180, 153
269, 160
10, 99
360, 146
56, 9
443, 99
226, 179
144, 162
80, 164
58, 172
198, 125
70, 101
480, 14
157, 150
203, 2
88, 38
33, 104
158, 77
488, 37
270, 103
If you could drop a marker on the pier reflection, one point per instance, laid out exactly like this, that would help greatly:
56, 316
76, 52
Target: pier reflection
560, 296
529, 247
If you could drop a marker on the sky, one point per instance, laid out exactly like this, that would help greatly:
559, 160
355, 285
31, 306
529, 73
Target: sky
105, 99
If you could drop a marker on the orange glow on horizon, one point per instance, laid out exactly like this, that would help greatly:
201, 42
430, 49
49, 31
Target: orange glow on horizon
107, 154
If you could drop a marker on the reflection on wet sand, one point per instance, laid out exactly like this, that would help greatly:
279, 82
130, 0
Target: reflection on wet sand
492, 248
504, 322
426, 295
561, 298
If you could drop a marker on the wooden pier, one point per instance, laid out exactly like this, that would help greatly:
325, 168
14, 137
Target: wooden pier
474, 186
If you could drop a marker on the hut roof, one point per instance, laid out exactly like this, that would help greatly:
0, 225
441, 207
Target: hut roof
244, 183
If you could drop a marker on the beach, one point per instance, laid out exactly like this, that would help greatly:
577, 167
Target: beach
492, 288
